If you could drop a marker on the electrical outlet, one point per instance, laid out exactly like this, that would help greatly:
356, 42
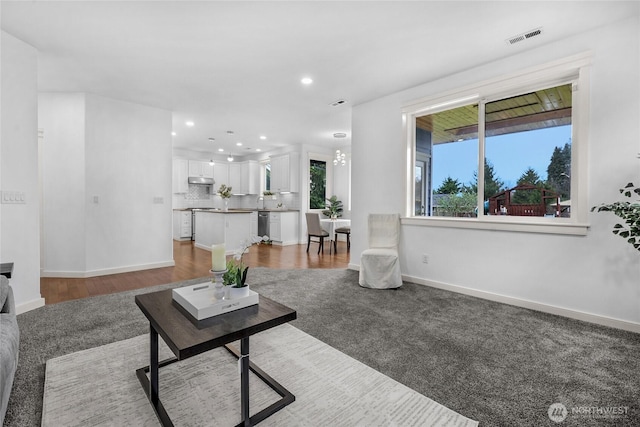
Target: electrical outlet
425, 259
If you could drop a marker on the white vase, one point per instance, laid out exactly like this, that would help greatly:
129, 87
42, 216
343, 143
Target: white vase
225, 206
235, 293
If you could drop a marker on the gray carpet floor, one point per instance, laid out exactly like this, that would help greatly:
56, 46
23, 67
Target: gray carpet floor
495, 363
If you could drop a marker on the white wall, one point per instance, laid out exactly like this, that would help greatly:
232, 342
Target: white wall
20, 225
61, 116
105, 164
128, 164
597, 274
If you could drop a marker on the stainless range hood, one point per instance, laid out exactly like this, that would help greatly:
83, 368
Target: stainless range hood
200, 180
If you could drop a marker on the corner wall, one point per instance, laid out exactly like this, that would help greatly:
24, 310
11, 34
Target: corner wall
107, 177
20, 223
595, 276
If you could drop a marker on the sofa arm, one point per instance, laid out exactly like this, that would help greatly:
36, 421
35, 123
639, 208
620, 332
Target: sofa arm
7, 303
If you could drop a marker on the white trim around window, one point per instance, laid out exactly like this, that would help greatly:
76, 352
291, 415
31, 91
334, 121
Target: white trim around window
573, 69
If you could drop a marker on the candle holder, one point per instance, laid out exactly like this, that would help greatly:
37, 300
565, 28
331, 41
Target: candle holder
218, 287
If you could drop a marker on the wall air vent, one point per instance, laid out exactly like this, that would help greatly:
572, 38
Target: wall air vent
338, 102
524, 36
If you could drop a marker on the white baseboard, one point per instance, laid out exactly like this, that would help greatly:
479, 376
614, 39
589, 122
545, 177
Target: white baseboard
286, 243
208, 248
29, 305
518, 302
107, 271
532, 305
355, 267
205, 247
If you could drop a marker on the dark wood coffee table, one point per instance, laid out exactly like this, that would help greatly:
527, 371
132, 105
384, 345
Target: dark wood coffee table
187, 337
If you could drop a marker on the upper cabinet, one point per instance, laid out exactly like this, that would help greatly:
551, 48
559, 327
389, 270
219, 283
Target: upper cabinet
201, 169
180, 173
284, 173
220, 175
244, 177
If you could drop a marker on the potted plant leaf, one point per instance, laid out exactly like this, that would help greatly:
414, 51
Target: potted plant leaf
334, 208
235, 278
629, 212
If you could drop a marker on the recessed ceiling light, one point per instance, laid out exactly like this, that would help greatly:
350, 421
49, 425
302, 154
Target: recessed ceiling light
173, 133
257, 149
263, 137
238, 144
306, 80
190, 124
339, 135
221, 149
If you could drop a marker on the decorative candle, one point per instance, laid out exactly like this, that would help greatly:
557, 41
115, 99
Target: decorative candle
218, 259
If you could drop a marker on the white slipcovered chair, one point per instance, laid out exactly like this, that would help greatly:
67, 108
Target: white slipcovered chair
380, 264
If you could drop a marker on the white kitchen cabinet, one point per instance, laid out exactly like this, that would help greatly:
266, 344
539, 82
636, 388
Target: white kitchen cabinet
200, 169
244, 177
180, 171
182, 225
220, 175
235, 178
251, 177
284, 173
283, 227
274, 227
230, 228
254, 224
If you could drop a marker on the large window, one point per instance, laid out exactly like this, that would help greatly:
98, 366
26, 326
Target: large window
317, 184
502, 154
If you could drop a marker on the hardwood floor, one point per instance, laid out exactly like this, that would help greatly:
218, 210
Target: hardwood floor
190, 263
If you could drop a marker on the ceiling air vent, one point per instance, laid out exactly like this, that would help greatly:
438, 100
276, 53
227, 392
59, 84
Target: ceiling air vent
338, 102
524, 36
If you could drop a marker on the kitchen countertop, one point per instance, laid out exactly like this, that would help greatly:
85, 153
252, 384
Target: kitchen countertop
237, 210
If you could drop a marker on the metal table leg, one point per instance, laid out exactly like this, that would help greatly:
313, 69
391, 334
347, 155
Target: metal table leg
153, 366
244, 381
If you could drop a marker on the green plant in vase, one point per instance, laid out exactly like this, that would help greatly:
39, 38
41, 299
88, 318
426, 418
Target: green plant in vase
236, 274
334, 208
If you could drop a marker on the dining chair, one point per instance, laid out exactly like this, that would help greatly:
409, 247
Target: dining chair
380, 263
315, 230
342, 230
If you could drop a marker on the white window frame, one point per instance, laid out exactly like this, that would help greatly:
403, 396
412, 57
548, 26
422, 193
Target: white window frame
329, 182
574, 69
263, 175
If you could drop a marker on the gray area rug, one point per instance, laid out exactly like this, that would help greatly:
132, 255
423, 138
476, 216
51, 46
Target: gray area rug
98, 387
491, 362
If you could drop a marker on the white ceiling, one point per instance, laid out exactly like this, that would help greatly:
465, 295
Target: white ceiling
236, 65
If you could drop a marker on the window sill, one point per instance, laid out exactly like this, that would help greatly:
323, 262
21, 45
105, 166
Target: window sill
522, 225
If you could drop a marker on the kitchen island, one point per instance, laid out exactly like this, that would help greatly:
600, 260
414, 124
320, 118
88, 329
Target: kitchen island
214, 226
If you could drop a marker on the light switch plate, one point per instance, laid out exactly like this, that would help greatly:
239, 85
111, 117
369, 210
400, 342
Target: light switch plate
13, 197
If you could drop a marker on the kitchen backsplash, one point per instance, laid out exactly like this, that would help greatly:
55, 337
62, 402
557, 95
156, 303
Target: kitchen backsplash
199, 196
